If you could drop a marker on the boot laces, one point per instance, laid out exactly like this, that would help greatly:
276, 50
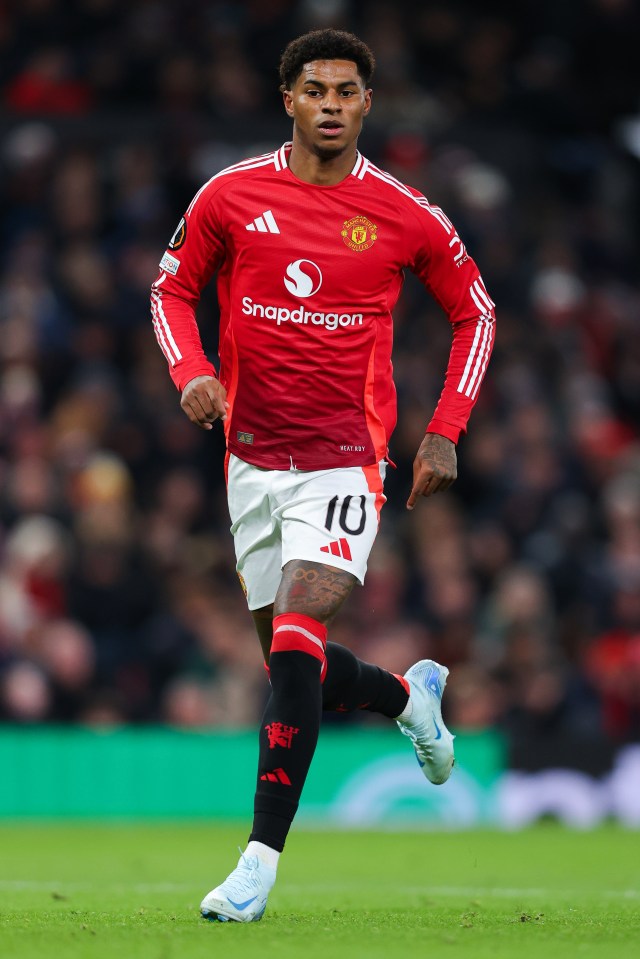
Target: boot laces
246, 876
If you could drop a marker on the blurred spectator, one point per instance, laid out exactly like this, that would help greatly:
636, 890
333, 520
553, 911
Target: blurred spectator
66, 653
25, 695
47, 85
474, 700
613, 664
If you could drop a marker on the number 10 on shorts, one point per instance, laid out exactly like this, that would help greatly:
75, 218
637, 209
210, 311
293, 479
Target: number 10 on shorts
343, 515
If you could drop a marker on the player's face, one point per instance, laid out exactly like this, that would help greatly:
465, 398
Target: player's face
328, 103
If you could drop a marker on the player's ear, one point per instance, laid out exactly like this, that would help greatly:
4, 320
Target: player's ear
287, 99
367, 101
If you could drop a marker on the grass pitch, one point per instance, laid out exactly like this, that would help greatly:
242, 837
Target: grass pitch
132, 892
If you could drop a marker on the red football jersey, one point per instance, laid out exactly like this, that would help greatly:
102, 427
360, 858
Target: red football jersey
307, 280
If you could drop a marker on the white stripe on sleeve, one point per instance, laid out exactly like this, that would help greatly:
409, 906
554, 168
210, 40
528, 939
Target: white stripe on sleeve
486, 339
172, 346
480, 351
472, 353
487, 354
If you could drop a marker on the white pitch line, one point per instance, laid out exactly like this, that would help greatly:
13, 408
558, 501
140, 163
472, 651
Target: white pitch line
52, 886
474, 892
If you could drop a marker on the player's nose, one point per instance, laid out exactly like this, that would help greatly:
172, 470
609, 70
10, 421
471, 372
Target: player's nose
331, 102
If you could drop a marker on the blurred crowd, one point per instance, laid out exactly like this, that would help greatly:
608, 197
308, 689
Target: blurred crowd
118, 597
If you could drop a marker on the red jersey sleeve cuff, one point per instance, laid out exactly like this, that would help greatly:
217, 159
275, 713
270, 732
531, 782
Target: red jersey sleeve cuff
444, 429
181, 376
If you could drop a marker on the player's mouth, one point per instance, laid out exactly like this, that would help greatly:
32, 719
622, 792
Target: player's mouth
331, 128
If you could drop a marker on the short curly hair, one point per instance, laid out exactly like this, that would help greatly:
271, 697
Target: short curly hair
325, 45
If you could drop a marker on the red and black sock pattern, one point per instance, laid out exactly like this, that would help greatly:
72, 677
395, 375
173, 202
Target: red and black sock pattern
353, 684
290, 724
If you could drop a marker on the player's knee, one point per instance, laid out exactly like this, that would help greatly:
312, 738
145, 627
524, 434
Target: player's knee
343, 675
295, 632
343, 663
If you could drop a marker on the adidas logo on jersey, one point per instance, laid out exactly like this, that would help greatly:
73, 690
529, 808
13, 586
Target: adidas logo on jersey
265, 223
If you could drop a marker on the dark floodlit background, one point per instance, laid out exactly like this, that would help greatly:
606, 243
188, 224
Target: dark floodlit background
118, 598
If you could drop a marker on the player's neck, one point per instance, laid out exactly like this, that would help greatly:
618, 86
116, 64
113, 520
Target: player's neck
321, 171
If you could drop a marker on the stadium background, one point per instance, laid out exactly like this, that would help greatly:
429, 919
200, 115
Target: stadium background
118, 601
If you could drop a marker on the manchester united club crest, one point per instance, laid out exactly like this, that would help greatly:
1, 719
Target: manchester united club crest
281, 735
359, 233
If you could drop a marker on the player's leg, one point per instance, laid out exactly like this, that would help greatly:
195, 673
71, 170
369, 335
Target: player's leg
311, 593
243, 895
289, 730
329, 523
309, 596
350, 683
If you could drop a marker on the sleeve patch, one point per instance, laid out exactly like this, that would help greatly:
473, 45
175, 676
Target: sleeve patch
170, 263
180, 235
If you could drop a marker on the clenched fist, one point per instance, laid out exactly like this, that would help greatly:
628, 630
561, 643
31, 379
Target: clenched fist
204, 400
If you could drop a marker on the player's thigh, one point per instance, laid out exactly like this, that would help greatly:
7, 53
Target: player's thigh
315, 589
256, 534
332, 518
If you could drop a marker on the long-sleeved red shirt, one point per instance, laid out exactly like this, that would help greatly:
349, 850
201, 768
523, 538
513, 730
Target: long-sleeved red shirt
308, 277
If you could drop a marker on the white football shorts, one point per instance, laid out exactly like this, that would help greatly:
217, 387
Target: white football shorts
324, 516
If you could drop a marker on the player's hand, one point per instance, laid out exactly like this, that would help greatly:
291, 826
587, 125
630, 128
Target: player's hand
434, 468
204, 400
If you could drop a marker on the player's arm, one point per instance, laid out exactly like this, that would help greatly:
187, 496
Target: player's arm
453, 279
195, 251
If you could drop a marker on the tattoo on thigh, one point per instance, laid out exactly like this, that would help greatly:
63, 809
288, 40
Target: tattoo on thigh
309, 576
313, 589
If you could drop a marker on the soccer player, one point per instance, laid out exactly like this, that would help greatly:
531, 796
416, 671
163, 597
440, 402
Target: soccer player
309, 244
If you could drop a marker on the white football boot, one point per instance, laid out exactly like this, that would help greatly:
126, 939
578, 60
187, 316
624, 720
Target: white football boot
432, 741
242, 897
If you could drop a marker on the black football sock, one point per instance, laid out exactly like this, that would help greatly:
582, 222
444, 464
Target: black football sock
288, 738
353, 684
